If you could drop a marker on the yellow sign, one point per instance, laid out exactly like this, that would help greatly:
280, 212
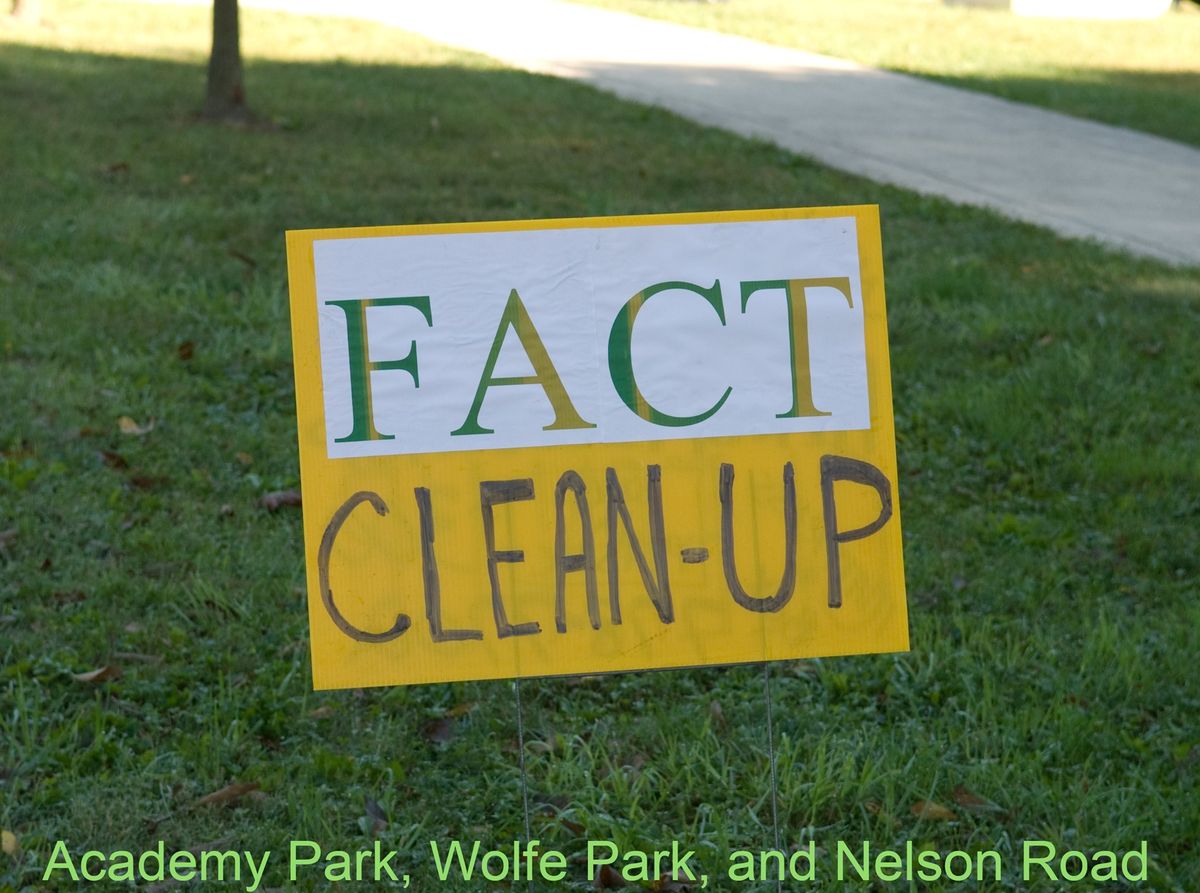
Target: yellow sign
553, 447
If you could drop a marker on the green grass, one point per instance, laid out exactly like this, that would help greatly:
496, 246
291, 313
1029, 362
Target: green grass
1139, 74
1045, 395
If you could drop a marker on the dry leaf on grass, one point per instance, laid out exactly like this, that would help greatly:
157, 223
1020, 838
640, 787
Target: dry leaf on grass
607, 879
101, 674
186, 350
148, 481
231, 793
276, 500
973, 803
113, 460
129, 426
321, 712
9, 843
933, 812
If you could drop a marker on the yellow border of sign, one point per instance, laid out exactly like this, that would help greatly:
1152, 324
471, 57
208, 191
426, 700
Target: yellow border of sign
380, 575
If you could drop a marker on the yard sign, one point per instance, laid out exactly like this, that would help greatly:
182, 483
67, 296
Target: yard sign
552, 447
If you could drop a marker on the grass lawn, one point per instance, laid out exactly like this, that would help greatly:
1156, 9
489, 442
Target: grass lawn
1046, 398
1144, 75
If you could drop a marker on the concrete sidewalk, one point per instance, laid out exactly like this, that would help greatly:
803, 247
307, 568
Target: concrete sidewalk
1079, 178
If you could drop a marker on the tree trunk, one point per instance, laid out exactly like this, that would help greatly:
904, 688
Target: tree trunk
28, 11
226, 97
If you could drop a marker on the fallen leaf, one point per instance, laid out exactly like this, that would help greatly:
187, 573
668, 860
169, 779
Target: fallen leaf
186, 179
129, 426
607, 879
231, 793
9, 843
244, 458
973, 803
148, 481
462, 709
276, 500
117, 167
321, 712
186, 350
933, 812
102, 674
438, 731
113, 460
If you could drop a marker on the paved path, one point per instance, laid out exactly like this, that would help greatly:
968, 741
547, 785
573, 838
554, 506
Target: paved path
1077, 177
